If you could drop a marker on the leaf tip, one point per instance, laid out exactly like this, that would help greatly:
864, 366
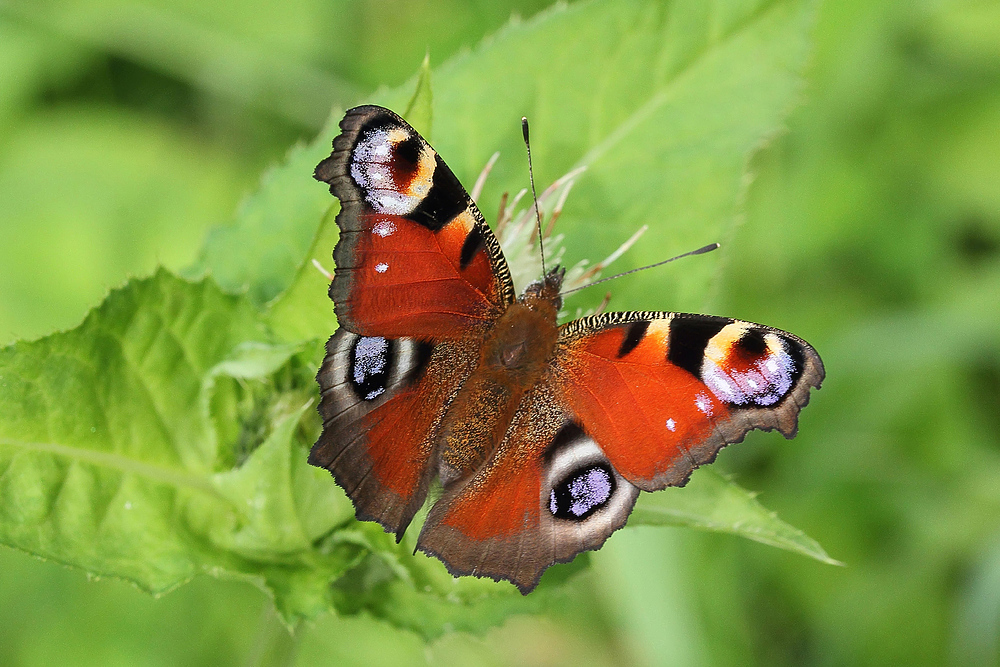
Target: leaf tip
419, 110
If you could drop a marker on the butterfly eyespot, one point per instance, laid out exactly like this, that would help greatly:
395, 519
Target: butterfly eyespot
752, 343
362, 372
745, 367
582, 493
407, 152
370, 365
392, 170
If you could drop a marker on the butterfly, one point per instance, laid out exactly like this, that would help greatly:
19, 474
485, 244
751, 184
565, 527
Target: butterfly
542, 435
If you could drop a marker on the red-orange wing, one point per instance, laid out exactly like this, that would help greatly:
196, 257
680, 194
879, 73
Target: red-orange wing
547, 493
415, 257
662, 393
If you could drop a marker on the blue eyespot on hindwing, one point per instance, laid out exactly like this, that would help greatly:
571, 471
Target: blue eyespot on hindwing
582, 492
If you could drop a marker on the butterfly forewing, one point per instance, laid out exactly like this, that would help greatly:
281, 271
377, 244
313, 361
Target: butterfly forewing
663, 392
415, 257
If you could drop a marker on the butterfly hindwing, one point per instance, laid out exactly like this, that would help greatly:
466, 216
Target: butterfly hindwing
547, 493
663, 392
415, 257
382, 401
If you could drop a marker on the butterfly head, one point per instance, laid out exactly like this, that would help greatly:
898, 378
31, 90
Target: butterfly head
546, 290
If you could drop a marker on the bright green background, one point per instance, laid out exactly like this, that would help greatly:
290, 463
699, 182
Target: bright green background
872, 229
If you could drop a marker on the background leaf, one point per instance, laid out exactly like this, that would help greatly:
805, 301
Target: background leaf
123, 472
711, 502
722, 81
262, 249
420, 109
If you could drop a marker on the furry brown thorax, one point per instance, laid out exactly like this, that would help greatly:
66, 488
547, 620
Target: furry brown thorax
513, 358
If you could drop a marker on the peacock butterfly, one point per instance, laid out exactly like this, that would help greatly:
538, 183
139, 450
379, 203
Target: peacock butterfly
542, 435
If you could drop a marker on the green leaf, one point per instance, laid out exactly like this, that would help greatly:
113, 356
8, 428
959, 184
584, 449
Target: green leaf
415, 592
419, 111
711, 502
111, 459
304, 310
663, 103
261, 251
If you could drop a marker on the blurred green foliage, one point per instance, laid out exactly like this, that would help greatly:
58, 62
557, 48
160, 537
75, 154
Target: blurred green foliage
872, 229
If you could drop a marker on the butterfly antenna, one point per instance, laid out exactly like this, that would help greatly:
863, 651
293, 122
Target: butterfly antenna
531, 179
700, 251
